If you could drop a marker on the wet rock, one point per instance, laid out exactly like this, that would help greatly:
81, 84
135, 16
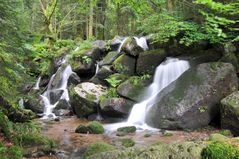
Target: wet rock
35, 104
116, 107
62, 104
134, 88
83, 68
74, 79
62, 112
125, 64
85, 98
131, 47
231, 58
154, 56
192, 101
230, 113
54, 95
110, 58
101, 44
104, 72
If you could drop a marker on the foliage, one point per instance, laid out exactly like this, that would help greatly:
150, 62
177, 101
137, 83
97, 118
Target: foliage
97, 147
114, 81
13, 152
217, 150
127, 142
127, 129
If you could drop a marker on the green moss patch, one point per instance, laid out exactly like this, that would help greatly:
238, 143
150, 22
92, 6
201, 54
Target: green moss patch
93, 127
96, 148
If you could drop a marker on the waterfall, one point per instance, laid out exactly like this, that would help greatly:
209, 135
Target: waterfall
142, 42
49, 106
121, 44
97, 67
166, 73
37, 87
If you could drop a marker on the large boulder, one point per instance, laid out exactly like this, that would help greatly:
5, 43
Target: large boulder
35, 104
230, 113
85, 98
116, 107
125, 64
154, 56
83, 67
192, 101
131, 47
231, 58
104, 72
134, 88
110, 58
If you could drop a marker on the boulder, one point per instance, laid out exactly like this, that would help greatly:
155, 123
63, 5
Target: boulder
115, 43
110, 58
83, 68
131, 47
104, 72
54, 95
230, 113
125, 64
116, 107
127, 129
101, 44
231, 58
85, 98
56, 79
74, 79
154, 56
192, 101
93, 127
35, 104
134, 88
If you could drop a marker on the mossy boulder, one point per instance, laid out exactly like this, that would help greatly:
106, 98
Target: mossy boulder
149, 60
97, 148
125, 64
134, 88
34, 103
230, 113
183, 150
116, 107
218, 138
93, 127
131, 47
192, 101
127, 129
85, 98
110, 58
231, 58
104, 72
127, 142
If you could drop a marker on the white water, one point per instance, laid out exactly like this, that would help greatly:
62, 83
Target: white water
121, 44
37, 87
166, 73
142, 42
49, 107
97, 65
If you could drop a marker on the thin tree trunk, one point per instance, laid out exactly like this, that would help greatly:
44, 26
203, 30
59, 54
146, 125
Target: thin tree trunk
91, 19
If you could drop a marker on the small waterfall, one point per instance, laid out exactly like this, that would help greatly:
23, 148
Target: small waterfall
121, 44
46, 97
97, 67
142, 42
37, 87
166, 73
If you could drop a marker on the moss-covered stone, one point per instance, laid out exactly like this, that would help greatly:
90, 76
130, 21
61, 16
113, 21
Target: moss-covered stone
127, 142
154, 56
127, 129
125, 64
218, 137
93, 127
110, 58
230, 113
96, 148
134, 88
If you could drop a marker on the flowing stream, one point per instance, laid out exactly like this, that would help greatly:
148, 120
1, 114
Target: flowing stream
50, 103
37, 87
166, 73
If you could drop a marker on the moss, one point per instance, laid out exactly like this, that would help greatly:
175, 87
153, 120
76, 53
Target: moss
5, 125
127, 142
96, 148
227, 133
147, 135
127, 129
93, 127
218, 137
217, 150
91, 97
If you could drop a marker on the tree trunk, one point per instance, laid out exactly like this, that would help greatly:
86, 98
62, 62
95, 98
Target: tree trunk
91, 20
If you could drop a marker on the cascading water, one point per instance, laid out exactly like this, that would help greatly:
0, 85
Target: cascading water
121, 44
49, 106
166, 73
142, 42
37, 87
97, 67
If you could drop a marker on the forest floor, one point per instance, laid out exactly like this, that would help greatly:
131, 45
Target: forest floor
71, 144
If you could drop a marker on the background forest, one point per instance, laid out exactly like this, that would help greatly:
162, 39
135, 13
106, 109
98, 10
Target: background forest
34, 32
